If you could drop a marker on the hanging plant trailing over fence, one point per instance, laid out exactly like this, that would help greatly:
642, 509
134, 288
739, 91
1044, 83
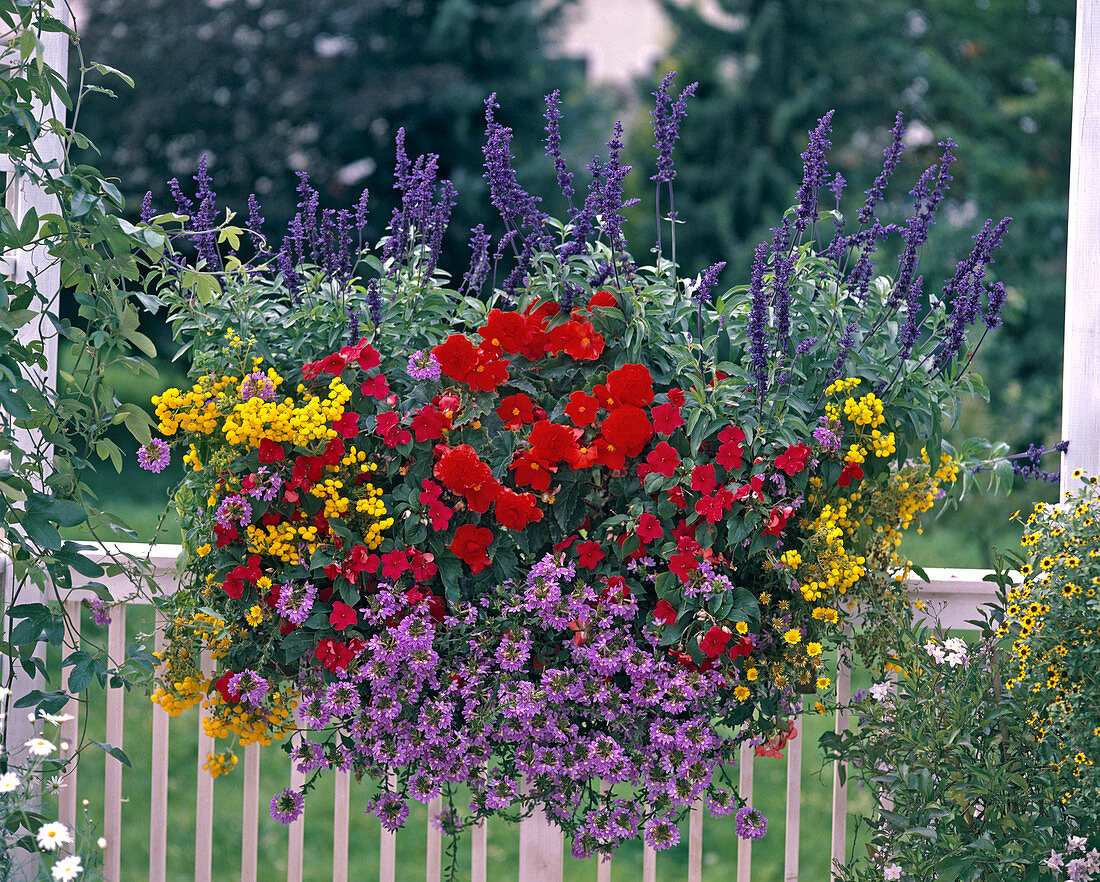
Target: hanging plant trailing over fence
593, 526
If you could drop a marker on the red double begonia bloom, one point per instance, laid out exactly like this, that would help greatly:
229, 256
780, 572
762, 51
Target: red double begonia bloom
505, 330
460, 470
578, 340
793, 459
582, 408
470, 544
703, 479
714, 642
489, 372
663, 459
666, 419
589, 554
480, 497
516, 510
529, 472
627, 429
729, 453
342, 615
552, 442
582, 457
602, 299
457, 357
631, 384
516, 411
427, 424
649, 528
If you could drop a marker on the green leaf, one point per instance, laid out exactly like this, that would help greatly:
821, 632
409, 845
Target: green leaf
110, 750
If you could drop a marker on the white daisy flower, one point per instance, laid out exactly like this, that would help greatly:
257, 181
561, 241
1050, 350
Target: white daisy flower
52, 836
40, 747
9, 782
67, 869
57, 719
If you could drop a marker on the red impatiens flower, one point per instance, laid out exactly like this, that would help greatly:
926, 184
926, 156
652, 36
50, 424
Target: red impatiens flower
582, 409
664, 612
470, 544
676, 494
342, 615
505, 330
631, 384
777, 520
516, 510
851, 470
516, 410
729, 453
675, 397
589, 554
710, 508
703, 480
333, 364
740, 648
428, 424
552, 442
377, 387
627, 429
270, 451
666, 419
336, 656
714, 642
793, 459
529, 472
682, 564
663, 459
649, 528
347, 425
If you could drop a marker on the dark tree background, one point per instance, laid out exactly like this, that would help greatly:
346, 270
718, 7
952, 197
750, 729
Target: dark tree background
268, 89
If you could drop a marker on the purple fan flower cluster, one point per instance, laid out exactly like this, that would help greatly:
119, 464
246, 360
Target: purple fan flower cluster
613, 707
287, 806
234, 509
296, 601
751, 823
250, 686
424, 366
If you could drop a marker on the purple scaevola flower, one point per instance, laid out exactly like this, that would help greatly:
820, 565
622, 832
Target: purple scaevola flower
250, 686
296, 601
287, 806
232, 509
751, 823
423, 365
154, 456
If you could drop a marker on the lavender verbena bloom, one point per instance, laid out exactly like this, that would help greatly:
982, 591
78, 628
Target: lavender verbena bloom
100, 612
553, 145
758, 323
267, 484
287, 806
666, 118
479, 260
234, 508
751, 823
257, 385
296, 601
707, 280
424, 366
814, 170
154, 456
250, 686
891, 155
147, 207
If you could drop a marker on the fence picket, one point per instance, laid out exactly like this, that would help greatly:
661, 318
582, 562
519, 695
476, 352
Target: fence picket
840, 790
296, 833
794, 803
479, 852
695, 843
340, 818
204, 796
744, 846
158, 799
250, 814
112, 779
434, 860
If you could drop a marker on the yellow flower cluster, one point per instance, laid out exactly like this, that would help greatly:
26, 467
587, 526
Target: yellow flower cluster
866, 411
251, 725
222, 763
198, 410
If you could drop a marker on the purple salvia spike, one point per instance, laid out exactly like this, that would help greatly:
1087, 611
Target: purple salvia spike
553, 145
814, 171
891, 155
666, 118
758, 323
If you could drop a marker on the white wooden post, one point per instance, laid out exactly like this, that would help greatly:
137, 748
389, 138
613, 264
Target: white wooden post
20, 197
1081, 371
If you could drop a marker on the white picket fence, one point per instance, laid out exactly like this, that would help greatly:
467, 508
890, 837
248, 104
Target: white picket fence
957, 594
